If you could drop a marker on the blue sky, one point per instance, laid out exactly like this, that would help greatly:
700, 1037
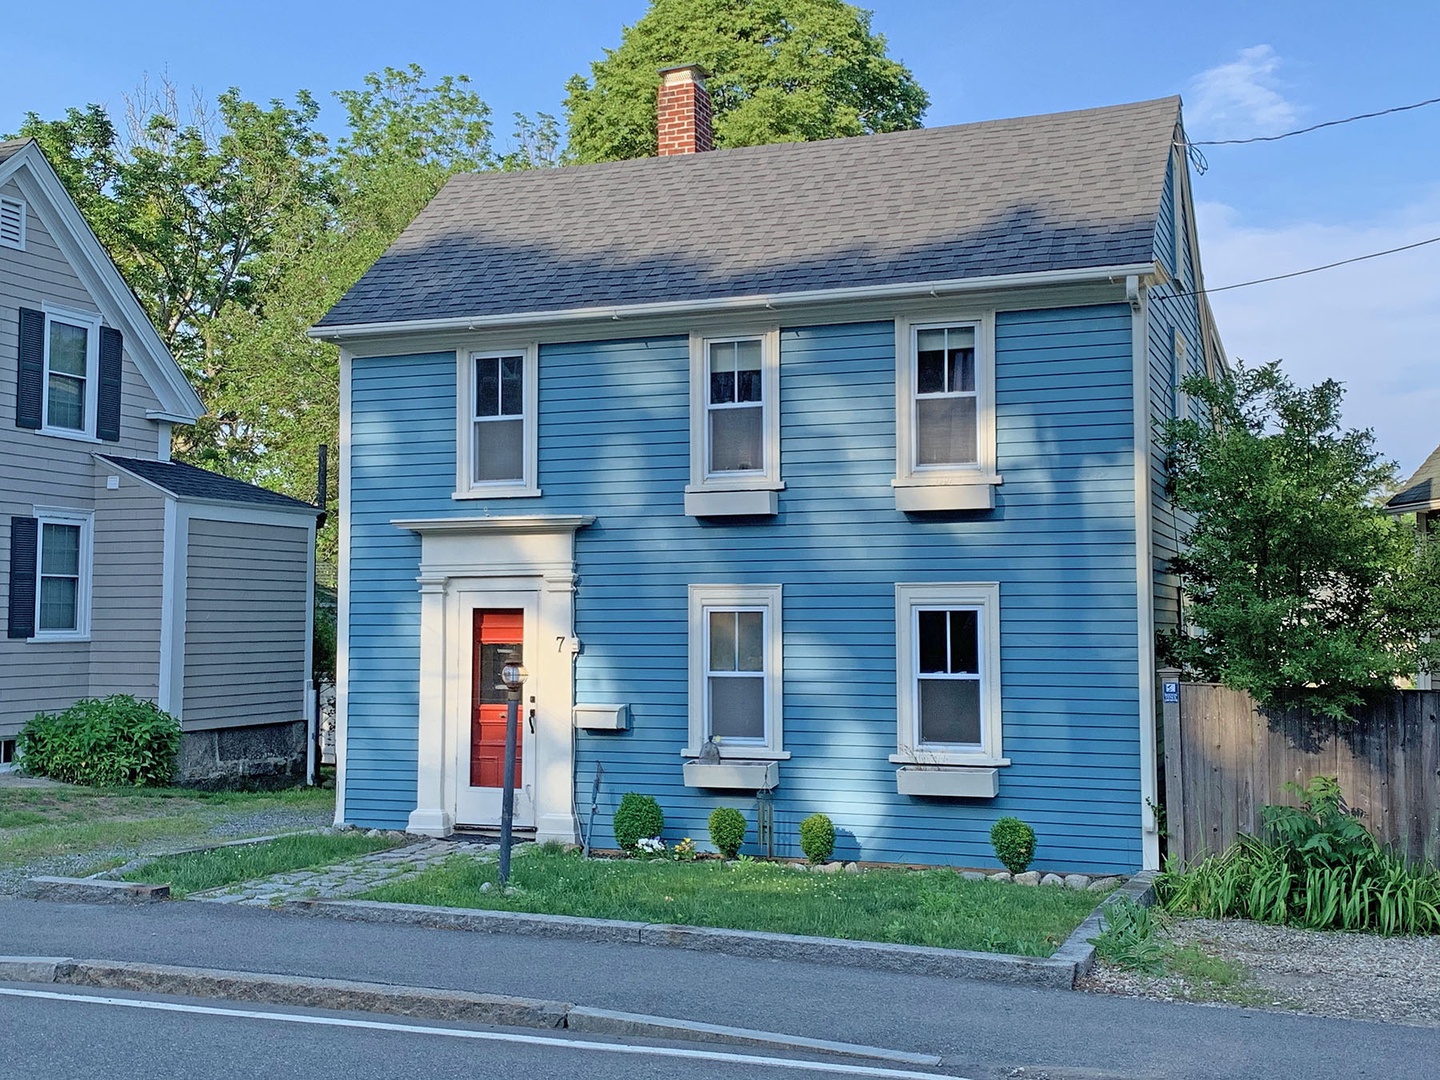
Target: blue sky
1245, 69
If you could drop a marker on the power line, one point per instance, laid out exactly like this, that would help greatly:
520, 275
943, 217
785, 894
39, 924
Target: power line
1310, 270
1314, 127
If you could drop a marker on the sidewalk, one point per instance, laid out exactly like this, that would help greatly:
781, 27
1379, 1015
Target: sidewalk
978, 1028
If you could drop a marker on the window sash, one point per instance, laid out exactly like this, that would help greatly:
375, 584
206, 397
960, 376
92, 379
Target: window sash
69, 363
945, 422
953, 659
727, 661
61, 568
735, 407
498, 420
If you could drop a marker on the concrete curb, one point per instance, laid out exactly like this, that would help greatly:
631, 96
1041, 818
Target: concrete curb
91, 891
1077, 949
1055, 971
417, 1002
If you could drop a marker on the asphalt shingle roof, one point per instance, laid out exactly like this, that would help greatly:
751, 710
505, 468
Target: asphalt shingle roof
188, 482
11, 147
1061, 191
1422, 489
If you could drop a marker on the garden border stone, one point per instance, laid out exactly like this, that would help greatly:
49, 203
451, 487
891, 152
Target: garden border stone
92, 891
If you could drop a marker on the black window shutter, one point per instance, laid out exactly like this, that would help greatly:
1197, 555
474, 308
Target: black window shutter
30, 392
24, 537
107, 424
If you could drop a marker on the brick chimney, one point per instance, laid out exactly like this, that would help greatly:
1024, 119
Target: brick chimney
683, 110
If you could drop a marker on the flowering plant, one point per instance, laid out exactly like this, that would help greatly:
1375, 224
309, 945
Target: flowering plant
684, 851
650, 845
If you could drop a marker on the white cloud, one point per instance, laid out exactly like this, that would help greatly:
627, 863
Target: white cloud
1240, 99
1375, 325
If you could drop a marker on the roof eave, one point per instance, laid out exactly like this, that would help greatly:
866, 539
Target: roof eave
762, 301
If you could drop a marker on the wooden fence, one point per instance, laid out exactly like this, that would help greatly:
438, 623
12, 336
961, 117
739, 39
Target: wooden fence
1225, 759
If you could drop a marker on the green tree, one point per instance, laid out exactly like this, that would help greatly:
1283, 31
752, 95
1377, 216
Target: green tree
779, 71
1302, 590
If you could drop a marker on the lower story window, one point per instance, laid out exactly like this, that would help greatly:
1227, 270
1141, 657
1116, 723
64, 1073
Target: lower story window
735, 677
59, 576
948, 653
7, 752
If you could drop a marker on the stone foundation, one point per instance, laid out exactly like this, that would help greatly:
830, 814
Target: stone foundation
263, 755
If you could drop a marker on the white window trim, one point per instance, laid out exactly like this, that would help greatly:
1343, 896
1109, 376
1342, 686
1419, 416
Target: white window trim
1180, 360
909, 598
982, 472
465, 486
769, 598
90, 320
54, 515
24, 211
767, 479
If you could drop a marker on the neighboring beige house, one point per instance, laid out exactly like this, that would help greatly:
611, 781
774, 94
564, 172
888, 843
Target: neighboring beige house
120, 570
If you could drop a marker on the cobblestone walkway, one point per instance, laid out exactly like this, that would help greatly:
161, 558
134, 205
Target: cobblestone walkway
346, 878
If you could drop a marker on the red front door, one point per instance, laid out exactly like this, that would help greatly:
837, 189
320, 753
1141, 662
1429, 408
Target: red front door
498, 635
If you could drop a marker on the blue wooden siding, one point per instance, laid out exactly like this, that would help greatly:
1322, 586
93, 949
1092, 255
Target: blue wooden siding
1171, 308
614, 442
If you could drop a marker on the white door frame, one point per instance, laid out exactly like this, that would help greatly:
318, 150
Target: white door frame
496, 561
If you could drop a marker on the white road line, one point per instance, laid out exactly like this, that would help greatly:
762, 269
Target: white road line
485, 1036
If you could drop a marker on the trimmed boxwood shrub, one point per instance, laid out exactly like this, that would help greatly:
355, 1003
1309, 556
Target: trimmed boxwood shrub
1014, 843
727, 830
817, 837
104, 742
637, 818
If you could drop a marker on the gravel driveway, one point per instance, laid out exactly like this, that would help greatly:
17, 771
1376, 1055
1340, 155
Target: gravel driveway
1326, 973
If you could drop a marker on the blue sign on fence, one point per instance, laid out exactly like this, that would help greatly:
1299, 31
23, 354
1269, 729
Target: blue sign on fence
1171, 690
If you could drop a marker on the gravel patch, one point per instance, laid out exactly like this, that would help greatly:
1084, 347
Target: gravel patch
1321, 972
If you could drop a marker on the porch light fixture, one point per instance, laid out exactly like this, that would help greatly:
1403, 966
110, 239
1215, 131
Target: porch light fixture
513, 675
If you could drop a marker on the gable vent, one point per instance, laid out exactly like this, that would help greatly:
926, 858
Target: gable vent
12, 223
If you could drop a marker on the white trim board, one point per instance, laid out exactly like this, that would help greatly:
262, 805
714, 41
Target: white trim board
1144, 575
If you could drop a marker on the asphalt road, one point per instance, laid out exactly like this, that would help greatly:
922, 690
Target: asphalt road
980, 1029
79, 1035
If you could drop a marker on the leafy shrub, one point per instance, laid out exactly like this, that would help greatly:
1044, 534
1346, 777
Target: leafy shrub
817, 837
103, 742
1314, 866
1129, 938
727, 830
1014, 843
637, 818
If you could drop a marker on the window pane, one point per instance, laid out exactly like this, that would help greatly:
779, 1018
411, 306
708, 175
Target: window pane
965, 642
722, 641
736, 440
67, 348
512, 393
499, 450
931, 629
722, 373
60, 550
737, 707
487, 386
492, 659
66, 405
750, 641
929, 361
945, 431
59, 605
950, 711
962, 369
747, 377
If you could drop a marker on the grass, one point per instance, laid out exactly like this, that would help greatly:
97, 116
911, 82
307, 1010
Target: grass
910, 907
71, 820
197, 871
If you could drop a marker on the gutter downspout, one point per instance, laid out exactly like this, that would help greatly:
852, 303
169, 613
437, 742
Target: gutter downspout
1138, 298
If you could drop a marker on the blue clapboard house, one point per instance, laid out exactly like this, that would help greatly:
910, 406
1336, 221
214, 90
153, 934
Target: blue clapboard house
808, 477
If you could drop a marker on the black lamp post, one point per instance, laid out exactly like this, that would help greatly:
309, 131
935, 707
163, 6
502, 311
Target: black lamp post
513, 676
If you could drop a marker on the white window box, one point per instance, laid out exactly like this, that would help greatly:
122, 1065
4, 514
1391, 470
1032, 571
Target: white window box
938, 781
970, 493
602, 717
733, 775
744, 502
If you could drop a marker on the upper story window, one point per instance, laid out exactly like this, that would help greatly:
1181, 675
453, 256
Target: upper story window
735, 678
496, 454
945, 414
69, 374
734, 424
12, 223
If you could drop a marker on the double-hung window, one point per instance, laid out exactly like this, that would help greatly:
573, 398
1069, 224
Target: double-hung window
948, 653
497, 439
734, 425
62, 575
71, 382
945, 422
735, 670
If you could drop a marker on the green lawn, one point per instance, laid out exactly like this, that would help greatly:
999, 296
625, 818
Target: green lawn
196, 871
910, 907
37, 823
